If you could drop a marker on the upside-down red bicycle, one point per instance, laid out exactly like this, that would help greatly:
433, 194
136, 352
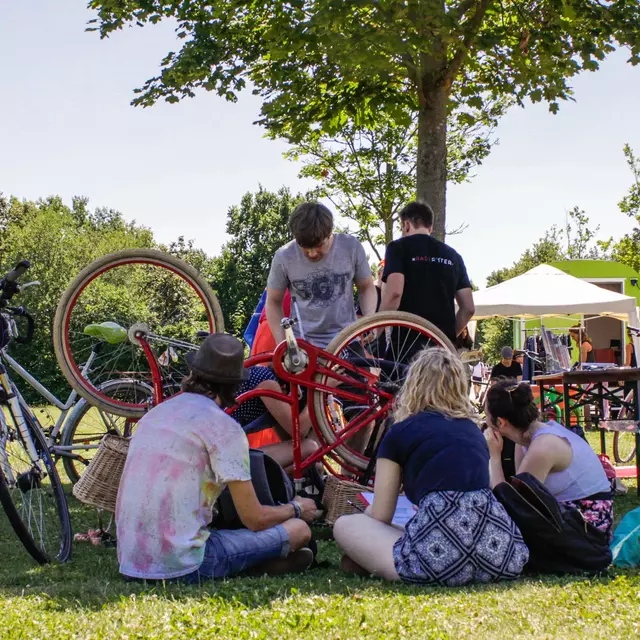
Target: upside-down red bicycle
147, 306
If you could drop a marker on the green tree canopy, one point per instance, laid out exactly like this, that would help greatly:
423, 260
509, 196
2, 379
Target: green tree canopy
322, 64
257, 228
627, 249
59, 241
369, 174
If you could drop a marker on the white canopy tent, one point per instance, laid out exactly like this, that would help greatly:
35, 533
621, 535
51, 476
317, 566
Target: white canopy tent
546, 291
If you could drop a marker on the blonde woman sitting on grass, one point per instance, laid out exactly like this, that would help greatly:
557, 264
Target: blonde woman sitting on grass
459, 534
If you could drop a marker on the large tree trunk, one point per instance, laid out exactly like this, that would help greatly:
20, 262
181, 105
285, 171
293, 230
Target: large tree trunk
431, 170
388, 228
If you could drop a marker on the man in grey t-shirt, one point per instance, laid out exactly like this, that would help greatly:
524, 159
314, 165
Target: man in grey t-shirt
320, 269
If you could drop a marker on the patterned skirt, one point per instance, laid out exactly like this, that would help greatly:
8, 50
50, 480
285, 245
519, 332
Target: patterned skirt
457, 538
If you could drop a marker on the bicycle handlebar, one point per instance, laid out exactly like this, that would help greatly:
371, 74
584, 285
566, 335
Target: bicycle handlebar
9, 285
532, 355
21, 312
18, 271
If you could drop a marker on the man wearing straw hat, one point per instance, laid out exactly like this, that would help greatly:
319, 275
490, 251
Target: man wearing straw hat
182, 455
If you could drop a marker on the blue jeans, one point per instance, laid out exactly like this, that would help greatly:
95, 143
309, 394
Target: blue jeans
229, 552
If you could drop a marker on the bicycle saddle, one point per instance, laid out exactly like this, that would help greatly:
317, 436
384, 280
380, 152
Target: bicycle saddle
109, 332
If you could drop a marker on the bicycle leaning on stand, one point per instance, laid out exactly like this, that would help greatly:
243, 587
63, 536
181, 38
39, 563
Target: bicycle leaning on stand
31, 492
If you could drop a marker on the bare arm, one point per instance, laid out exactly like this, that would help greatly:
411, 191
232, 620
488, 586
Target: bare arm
519, 457
367, 295
628, 354
466, 308
547, 453
386, 490
392, 292
495, 443
275, 313
257, 517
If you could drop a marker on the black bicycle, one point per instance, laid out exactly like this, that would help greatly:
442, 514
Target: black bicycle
30, 489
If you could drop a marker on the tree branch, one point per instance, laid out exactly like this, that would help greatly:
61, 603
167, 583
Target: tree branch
470, 29
462, 9
371, 243
412, 70
361, 171
409, 134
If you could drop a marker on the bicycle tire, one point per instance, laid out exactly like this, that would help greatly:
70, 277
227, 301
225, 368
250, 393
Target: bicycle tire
407, 320
618, 456
39, 554
77, 415
70, 368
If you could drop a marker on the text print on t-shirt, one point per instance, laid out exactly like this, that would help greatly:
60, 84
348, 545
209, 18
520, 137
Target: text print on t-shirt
436, 260
322, 287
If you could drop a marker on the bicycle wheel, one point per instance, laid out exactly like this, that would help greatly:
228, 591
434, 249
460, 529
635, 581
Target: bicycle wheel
87, 425
624, 443
141, 291
33, 497
400, 337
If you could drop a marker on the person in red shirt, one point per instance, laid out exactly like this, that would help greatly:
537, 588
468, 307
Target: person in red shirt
263, 343
264, 340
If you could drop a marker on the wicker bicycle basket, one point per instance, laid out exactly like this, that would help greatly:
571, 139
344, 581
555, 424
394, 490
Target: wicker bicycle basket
98, 485
336, 497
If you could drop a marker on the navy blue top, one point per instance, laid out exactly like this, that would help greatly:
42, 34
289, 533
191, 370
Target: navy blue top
437, 454
252, 409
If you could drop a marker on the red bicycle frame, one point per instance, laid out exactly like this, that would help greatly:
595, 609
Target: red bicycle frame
319, 363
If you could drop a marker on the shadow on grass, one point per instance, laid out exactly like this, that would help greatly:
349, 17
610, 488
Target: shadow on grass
91, 582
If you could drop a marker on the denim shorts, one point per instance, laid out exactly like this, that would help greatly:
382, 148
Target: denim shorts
229, 552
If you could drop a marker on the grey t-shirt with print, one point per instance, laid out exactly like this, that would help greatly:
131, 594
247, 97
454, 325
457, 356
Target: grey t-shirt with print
323, 289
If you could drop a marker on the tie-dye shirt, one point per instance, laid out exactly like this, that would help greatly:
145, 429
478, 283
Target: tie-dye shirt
182, 454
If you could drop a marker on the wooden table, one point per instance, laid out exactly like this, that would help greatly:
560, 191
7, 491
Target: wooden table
594, 387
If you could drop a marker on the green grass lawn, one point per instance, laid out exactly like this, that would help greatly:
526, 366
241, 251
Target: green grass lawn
86, 598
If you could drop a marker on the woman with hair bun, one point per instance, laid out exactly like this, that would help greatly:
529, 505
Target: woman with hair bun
460, 533
561, 460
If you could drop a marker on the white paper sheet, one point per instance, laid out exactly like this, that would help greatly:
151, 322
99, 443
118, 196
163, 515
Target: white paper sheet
404, 509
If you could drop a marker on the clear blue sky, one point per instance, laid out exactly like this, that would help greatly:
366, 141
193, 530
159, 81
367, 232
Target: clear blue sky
66, 128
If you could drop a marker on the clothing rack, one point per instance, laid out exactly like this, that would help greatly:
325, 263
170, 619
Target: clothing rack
551, 348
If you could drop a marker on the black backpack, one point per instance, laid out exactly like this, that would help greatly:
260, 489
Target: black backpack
272, 485
559, 539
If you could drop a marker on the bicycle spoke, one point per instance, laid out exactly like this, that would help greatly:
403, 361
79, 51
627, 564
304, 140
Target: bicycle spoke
88, 427
150, 293
380, 365
33, 495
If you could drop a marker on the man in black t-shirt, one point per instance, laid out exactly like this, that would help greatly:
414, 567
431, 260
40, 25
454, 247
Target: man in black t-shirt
425, 276
507, 367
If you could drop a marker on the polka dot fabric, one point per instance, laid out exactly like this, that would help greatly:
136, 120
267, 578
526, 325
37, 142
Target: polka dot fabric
252, 409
